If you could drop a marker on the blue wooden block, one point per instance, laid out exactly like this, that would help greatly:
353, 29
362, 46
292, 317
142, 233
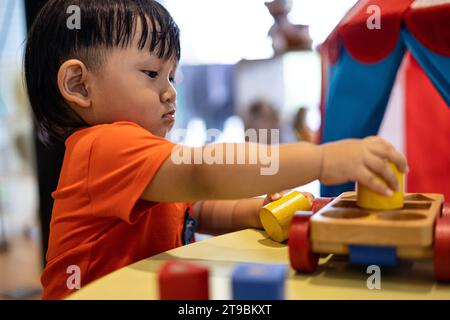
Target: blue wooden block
259, 282
369, 255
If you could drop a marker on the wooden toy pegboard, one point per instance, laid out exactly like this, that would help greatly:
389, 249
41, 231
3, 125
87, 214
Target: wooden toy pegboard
410, 229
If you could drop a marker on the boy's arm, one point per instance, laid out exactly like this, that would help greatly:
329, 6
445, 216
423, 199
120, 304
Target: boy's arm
223, 216
297, 164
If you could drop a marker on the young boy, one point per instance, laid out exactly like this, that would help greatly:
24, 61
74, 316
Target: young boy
107, 89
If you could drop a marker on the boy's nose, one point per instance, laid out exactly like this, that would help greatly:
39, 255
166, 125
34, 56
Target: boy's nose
169, 95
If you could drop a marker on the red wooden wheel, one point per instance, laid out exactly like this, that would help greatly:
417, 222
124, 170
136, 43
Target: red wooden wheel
446, 209
300, 254
319, 203
442, 249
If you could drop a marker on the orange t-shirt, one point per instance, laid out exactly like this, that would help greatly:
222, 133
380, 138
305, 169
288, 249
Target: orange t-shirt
99, 224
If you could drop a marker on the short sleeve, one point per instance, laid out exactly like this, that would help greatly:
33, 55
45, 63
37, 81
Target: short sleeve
123, 160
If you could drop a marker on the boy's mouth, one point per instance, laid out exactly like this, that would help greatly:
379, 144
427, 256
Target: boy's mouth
170, 115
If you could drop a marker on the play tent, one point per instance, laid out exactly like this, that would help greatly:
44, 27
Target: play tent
410, 52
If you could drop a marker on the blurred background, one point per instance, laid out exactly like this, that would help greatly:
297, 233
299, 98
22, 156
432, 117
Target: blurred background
245, 64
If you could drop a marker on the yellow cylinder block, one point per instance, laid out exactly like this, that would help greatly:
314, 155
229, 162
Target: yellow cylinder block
276, 216
369, 199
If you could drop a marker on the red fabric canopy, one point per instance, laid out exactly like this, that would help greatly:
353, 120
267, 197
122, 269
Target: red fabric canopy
430, 25
427, 132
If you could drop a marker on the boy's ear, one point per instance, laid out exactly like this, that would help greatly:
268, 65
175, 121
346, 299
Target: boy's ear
72, 83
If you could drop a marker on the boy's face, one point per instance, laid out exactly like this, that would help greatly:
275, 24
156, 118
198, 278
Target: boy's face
133, 85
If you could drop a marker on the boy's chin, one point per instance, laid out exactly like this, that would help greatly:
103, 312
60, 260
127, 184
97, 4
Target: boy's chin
162, 132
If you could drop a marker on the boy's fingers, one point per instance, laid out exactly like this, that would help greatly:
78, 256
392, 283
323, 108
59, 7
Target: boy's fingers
280, 194
380, 148
385, 150
381, 168
310, 196
271, 197
400, 160
275, 196
368, 179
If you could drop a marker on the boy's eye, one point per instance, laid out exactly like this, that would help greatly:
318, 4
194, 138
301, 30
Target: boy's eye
151, 74
172, 80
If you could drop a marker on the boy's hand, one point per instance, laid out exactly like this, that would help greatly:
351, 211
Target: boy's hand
362, 161
273, 197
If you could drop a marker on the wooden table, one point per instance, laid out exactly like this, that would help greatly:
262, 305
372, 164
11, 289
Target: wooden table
334, 279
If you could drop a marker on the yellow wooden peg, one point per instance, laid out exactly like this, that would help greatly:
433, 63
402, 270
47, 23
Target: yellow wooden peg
368, 199
276, 216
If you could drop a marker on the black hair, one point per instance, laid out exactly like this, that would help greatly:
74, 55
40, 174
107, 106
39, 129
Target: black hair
104, 24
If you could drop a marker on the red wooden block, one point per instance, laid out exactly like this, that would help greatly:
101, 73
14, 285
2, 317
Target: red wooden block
300, 254
181, 280
442, 249
319, 203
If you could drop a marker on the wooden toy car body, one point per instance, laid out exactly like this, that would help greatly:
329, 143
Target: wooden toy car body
419, 230
409, 230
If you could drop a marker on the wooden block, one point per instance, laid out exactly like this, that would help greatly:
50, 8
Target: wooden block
369, 199
343, 222
181, 280
259, 282
276, 216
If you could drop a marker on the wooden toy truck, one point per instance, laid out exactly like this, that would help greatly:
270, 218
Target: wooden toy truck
419, 230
